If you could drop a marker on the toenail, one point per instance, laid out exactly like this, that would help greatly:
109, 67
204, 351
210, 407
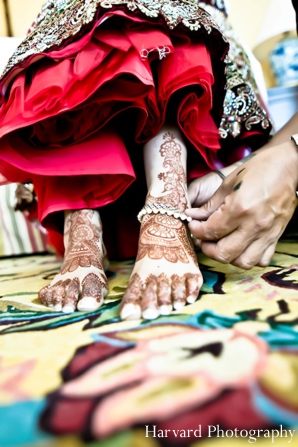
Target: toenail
178, 305
165, 309
88, 303
191, 299
68, 309
131, 312
150, 314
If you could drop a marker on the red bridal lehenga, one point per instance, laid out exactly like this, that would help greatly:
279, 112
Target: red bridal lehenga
95, 79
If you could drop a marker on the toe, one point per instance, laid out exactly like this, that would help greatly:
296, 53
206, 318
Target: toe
58, 295
71, 296
193, 285
164, 299
149, 307
178, 292
92, 293
130, 308
46, 296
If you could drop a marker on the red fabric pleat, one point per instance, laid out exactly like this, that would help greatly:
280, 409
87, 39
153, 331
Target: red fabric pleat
57, 123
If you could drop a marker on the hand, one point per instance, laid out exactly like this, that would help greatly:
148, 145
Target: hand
243, 221
202, 189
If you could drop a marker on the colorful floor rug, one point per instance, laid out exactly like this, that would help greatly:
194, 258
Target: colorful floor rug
221, 372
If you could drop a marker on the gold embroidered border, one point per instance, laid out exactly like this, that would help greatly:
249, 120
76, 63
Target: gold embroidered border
242, 106
62, 19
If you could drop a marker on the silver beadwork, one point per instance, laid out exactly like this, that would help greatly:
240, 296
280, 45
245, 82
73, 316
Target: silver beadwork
157, 208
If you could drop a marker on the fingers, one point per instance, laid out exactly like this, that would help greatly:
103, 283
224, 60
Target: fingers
194, 192
230, 247
259, 253
268, 255
202, 189
216, 227
242, 222
242, 249
159, 295
211, 205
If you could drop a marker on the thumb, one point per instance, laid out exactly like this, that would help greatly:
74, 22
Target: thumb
211, 205
201, 189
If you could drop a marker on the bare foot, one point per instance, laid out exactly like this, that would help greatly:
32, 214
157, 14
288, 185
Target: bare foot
81, 283
166, 275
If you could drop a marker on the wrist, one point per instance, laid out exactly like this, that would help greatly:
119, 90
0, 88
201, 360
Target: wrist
288, 152
293, 150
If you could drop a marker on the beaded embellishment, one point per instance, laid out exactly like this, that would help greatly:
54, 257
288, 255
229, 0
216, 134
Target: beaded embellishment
242, 107
60, 20
157, 208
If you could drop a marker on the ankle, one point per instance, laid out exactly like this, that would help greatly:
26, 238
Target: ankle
175, 198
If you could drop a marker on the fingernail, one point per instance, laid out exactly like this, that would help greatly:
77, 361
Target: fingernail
58, 307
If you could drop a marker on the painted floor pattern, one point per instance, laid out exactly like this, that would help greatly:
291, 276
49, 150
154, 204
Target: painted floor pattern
227, 362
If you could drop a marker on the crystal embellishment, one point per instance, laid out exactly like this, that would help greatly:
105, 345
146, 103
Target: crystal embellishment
63, 19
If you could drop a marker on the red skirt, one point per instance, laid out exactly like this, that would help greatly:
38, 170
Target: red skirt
73, 122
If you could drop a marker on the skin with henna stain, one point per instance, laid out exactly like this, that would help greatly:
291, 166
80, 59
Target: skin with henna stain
81, 283
166, 275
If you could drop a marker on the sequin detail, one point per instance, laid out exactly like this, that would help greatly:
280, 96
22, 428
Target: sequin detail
62, 19
242, 108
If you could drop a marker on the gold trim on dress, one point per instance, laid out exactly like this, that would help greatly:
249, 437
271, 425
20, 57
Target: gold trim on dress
62, 19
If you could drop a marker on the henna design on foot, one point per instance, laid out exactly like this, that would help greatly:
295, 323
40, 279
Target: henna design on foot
72, 296
60, 295
178, 291
163, 236
159, 295
149, 305
130, 306
165, 246
192, 287
164, 294
84, 243
45, 295
92, 293
175, 189
92, 286
82, 266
